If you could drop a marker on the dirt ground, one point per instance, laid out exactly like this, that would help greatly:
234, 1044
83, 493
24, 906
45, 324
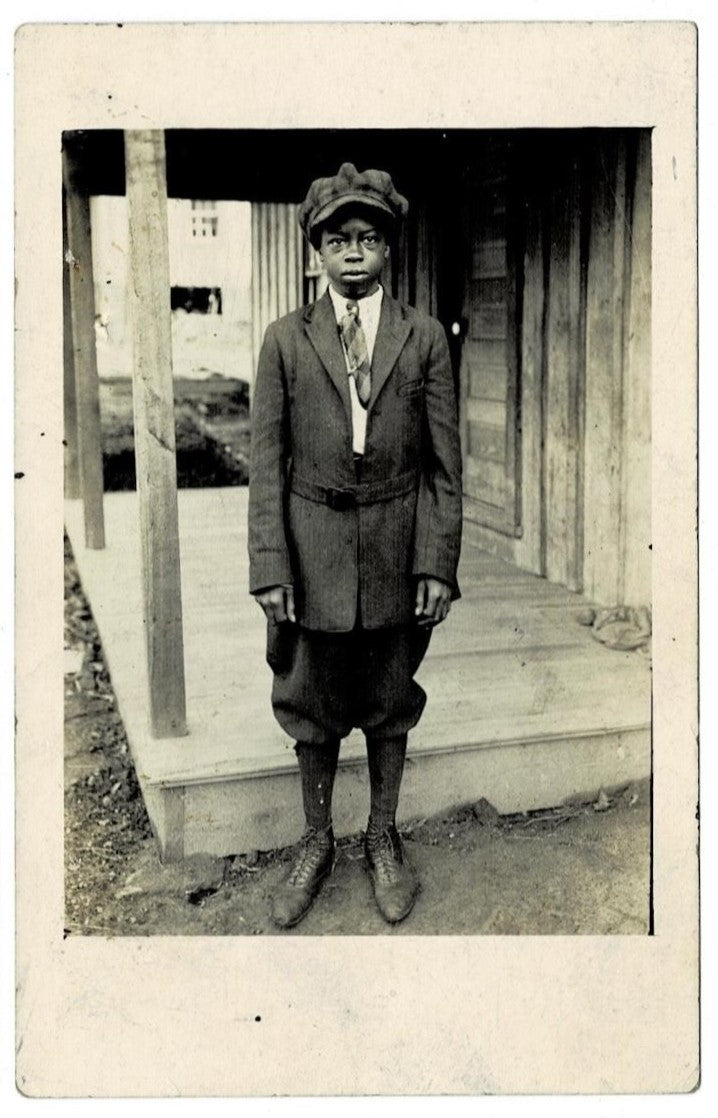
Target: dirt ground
579, 869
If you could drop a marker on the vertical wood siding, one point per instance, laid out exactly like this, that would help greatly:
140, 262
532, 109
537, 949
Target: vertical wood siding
489, 401
605, 528
564, 385
529, 552
636, 556
277, 266
584, 389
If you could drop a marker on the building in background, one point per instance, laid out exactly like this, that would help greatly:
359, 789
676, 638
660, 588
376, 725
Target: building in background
211, 286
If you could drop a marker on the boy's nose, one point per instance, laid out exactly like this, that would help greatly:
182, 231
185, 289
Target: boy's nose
354, 248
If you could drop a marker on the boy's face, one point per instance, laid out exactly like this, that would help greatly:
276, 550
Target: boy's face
354, 252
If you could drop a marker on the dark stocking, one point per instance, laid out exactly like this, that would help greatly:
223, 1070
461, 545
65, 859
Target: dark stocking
318, 766
386, 767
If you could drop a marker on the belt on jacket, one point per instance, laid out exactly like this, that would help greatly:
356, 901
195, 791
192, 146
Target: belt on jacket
365, 493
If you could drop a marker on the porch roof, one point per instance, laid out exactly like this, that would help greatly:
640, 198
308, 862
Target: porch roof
276, 165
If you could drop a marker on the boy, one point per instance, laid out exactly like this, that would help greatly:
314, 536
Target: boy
354, 524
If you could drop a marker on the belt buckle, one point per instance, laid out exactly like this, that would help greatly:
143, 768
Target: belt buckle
341, 499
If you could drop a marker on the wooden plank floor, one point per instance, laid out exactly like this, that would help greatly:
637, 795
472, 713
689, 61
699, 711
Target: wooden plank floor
510, 665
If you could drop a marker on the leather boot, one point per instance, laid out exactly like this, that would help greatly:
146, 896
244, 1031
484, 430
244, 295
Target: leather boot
395, 884
313, 861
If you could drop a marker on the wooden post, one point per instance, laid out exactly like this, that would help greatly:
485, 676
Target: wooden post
530, 549
72, 454
636, 557
87, 388
565, 349
153, 405
605, 310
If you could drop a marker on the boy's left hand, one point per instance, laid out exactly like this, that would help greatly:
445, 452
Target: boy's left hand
433, 601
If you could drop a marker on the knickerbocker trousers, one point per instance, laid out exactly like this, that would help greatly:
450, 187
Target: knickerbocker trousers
325, 684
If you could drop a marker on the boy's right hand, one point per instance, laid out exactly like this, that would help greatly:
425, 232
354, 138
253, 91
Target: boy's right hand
277, 603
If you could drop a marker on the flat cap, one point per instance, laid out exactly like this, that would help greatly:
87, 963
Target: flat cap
367, 188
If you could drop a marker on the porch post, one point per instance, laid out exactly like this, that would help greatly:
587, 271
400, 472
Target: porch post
87, 388
636, 555
608, 260
153, 404
72, 461
564, 380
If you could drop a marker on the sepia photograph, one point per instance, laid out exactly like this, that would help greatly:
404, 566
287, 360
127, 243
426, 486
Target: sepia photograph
356, 583
482, 470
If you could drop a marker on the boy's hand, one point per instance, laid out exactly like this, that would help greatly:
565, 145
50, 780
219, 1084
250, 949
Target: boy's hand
433, 601
277, 603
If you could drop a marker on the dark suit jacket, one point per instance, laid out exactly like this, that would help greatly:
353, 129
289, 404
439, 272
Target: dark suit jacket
304, 527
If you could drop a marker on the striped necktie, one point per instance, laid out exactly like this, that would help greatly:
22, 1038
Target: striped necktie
357, 352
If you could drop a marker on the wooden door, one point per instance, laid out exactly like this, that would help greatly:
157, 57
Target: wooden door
488, 374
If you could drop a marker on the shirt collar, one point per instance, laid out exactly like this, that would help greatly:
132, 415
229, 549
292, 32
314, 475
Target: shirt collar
370, 303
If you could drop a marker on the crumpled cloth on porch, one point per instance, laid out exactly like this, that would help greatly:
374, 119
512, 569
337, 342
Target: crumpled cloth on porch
624, 628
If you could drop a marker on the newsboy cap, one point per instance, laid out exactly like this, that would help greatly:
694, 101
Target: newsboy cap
373, 189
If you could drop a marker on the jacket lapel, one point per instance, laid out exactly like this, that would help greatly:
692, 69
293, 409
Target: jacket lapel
390, 340
321, 326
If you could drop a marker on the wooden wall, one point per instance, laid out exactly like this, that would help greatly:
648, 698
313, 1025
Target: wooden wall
618, 375
635, 558
583, 323
277, 266
412, 276
489, 361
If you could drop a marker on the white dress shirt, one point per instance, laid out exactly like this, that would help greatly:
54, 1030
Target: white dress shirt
369, 311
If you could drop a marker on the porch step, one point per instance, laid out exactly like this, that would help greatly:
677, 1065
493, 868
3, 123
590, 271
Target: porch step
262, 811
524, 707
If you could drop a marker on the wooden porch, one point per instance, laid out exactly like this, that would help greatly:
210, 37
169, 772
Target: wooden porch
525, 707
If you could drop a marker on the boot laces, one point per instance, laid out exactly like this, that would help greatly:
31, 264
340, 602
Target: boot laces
312, 852
386, 856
